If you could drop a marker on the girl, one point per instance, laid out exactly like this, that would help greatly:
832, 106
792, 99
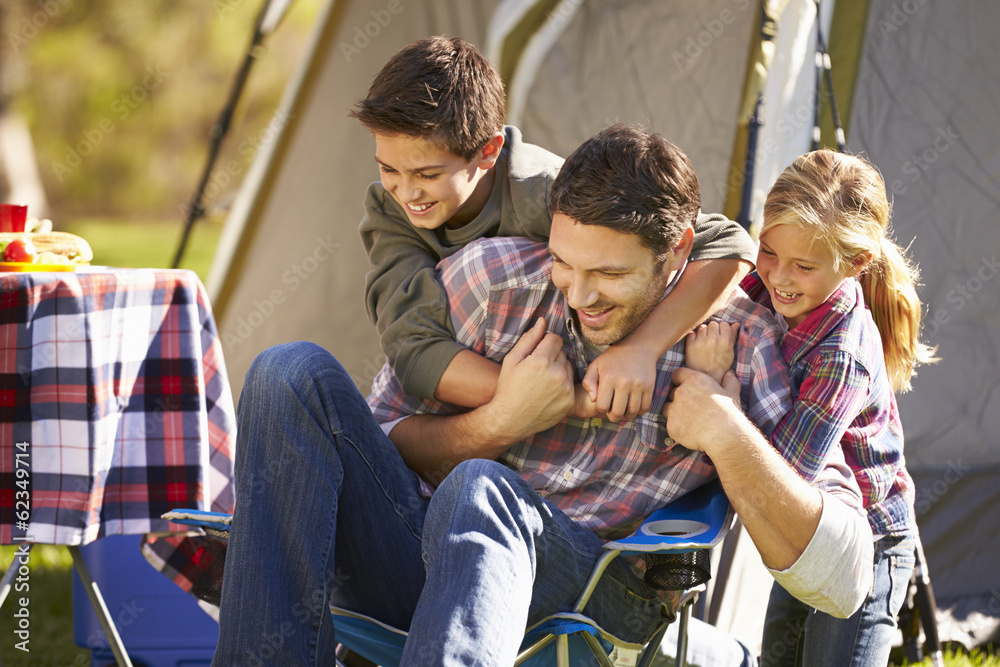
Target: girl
824, 255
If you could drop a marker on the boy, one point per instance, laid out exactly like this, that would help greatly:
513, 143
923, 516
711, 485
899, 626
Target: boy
452, 173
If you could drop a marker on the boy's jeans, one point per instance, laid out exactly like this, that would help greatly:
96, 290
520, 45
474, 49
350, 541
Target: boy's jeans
327, 511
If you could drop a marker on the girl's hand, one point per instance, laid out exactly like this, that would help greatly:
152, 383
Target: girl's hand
583, 406
621, 381
711, 348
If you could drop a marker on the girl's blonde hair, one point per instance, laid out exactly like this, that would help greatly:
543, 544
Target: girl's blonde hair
842, 200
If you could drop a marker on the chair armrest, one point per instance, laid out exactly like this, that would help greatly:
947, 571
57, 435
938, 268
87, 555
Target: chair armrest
697, 520
200, 518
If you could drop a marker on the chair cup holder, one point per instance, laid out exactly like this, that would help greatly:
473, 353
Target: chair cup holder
680, 528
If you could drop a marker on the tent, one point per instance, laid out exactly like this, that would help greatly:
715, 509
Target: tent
914, 93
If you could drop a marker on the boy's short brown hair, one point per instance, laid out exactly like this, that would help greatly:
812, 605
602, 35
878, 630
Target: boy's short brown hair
439, 89
633, 181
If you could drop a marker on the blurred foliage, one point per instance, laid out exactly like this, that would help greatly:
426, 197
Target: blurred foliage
120, 96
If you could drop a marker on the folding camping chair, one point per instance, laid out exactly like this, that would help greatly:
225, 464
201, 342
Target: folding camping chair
675, 541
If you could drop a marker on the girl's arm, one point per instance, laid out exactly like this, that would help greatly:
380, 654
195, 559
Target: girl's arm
711, 348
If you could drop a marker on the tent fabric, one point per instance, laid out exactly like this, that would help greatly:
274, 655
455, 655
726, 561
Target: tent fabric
925, 111
677, 68
923, 107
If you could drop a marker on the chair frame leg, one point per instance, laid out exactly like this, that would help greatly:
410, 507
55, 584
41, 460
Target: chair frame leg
101, 609
654, 645
682, 639
529, 652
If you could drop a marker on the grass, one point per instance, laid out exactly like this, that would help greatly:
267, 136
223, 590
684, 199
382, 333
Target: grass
50, 611
148, 244
958, 657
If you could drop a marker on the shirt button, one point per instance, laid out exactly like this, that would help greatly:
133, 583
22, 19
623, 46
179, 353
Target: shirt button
568, 476
596, 422
669, 442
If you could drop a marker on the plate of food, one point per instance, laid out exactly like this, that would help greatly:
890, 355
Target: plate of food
43, 251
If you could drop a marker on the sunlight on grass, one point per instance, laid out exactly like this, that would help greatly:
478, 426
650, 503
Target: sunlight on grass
960, 658
47, 589
148, 244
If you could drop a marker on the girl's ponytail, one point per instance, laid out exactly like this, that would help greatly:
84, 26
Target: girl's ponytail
889, 285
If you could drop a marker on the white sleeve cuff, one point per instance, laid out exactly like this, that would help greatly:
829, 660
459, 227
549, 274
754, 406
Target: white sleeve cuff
388, 426
834, 573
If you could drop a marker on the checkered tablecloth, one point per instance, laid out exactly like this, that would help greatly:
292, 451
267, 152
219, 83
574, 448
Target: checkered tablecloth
115, 406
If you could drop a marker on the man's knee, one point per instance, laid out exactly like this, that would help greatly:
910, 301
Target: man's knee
286, 363
481, 490
472, 476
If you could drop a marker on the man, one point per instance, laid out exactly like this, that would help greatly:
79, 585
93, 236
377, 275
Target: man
330, 508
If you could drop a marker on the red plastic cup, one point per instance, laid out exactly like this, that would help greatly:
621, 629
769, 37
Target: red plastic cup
13, 217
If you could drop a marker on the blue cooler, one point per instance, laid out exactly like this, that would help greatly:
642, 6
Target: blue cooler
160, 625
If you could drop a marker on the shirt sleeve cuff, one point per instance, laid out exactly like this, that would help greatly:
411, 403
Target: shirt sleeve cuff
423, 373
834, 573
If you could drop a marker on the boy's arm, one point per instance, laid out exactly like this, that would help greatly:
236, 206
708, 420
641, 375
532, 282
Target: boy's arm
470, 380
621, 380
405, 298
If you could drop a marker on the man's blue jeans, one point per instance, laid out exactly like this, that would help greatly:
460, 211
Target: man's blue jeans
795, 634
327, 510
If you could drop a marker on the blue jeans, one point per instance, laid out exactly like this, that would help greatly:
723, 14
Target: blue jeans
707, 647
327, 511
796, 634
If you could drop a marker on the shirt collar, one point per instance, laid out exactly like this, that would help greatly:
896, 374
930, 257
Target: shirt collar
820, 322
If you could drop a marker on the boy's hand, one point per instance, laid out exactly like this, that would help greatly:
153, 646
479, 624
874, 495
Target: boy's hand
583, 406
711, 348
621, 381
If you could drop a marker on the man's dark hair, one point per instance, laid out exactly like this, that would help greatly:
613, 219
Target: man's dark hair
630, 180
439, 89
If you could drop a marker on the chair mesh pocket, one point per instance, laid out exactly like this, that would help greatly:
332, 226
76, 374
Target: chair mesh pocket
209, 562
676, 572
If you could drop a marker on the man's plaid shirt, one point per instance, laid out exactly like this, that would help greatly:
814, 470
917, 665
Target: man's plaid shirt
605, 476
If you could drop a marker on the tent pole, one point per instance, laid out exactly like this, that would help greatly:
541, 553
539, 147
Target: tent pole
196, 208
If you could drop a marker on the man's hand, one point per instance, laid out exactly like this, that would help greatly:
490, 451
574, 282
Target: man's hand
702, 413
535, 388
711, 348
621, 380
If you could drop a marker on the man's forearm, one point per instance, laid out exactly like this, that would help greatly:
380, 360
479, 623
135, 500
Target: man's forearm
834, 574
432, 445
703, 288
777, 507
